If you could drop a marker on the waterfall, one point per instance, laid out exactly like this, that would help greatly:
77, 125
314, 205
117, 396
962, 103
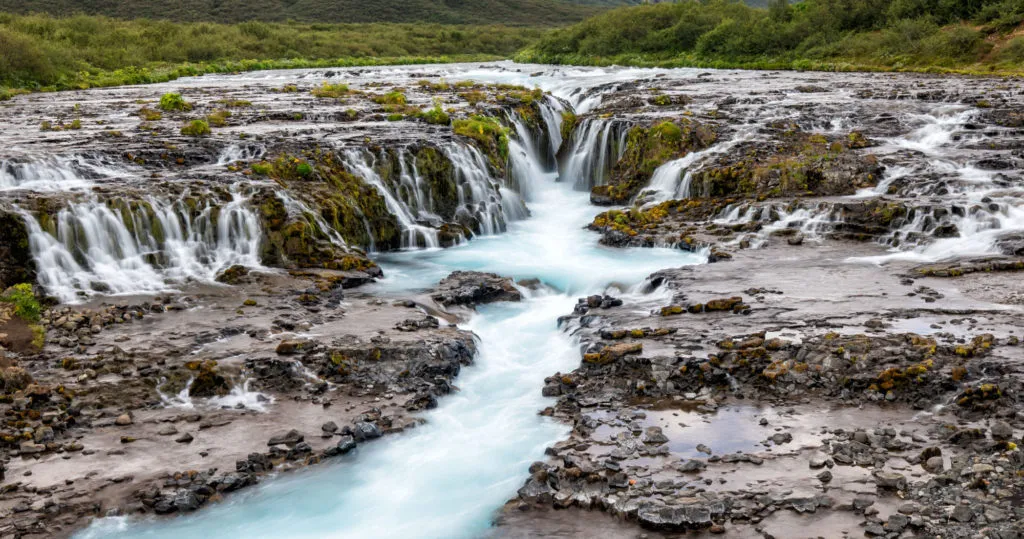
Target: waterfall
551, 112
52, 174
296, 209
361, 163
482, 199
140, 247
672, 179
597, 145
239, 152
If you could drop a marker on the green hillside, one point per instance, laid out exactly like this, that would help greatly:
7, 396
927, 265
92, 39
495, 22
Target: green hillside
506, 12
974, 35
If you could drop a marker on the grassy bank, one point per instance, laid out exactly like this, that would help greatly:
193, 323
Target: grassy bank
39, 52
976, 36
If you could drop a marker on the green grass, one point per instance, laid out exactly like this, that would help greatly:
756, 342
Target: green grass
919, 35
41, 52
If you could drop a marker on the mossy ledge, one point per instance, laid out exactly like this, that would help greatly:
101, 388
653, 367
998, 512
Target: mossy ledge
647, 148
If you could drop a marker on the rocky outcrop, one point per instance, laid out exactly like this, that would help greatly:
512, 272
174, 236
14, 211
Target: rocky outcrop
789, 163
473, 288
16, 265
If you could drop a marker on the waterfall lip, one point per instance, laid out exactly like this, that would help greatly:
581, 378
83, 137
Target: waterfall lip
119, 250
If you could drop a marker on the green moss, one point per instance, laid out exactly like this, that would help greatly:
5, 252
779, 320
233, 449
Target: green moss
489, 133
390, 98
174, 102
435, 115
196, 128
569, 121
219, 118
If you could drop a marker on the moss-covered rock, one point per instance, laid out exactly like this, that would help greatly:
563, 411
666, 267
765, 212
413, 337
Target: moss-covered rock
15, 255
790, 163
647, 148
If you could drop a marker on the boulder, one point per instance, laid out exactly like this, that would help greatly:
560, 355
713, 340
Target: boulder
474, 288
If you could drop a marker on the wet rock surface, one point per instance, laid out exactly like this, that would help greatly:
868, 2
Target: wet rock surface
473, 287
872, 415
90, 418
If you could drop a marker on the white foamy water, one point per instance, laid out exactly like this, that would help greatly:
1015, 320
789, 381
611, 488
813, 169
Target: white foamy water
993, 211
98, 248
54, 174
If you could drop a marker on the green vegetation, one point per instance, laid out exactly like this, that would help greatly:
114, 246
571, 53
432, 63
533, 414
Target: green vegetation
488, 131
174, 102
936, 35
435, 115
150, 115
219, 118
328, 90
40, 52
390, 98
196, 128
512, 12
26, 306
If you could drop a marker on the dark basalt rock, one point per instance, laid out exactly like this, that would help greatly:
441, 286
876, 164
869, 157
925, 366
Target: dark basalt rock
473, 288
695, 516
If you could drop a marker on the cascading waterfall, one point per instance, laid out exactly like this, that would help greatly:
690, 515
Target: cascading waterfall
980, 211
240, 152
140, 248
296, 209
482, 199
53, 174
672, 180
597, 145
362, 164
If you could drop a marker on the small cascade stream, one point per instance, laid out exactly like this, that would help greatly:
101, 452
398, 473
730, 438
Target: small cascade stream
93, 247
977, 209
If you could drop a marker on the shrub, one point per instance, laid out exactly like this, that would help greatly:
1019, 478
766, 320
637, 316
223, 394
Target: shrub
262, 168
390, 98
1013, 51
26, 306
196, 128
174, 102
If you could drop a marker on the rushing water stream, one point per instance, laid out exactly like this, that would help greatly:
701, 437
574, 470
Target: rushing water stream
447, 478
